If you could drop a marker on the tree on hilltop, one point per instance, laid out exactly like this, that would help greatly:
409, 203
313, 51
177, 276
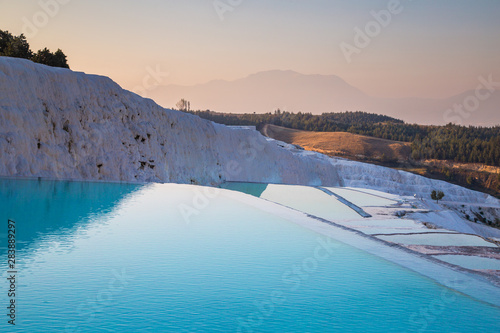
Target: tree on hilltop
183, 105
14, 46
18, 47
56, 59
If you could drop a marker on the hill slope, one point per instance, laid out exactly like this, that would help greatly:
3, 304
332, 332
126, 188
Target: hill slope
389, 153
341, 143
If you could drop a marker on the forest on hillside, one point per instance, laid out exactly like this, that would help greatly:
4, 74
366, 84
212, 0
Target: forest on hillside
466, 144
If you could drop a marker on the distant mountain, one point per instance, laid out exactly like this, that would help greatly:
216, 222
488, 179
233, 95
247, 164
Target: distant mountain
292, 91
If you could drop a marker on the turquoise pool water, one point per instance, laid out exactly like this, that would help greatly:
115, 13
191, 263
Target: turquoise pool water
96, 257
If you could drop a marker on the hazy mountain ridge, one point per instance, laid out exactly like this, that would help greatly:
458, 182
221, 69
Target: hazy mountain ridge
291, 91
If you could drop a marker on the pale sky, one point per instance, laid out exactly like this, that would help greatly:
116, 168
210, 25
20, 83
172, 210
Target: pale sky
424, 49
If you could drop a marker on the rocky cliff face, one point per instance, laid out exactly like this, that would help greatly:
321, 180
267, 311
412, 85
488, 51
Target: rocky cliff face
61, 124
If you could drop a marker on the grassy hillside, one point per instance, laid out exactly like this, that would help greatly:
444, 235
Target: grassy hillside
389, 153
451, 142
344, 144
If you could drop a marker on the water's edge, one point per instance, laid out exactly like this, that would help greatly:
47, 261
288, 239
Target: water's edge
464, 281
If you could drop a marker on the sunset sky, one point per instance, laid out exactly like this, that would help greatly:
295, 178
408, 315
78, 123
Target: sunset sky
423, 49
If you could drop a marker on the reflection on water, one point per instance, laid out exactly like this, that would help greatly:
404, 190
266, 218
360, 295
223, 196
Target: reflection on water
128, 261
255, 189
42, 207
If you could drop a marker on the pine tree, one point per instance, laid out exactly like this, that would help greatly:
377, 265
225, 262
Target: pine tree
18, 47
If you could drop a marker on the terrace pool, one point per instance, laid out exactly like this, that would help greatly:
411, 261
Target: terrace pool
96, 257
303, 198
361, 198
